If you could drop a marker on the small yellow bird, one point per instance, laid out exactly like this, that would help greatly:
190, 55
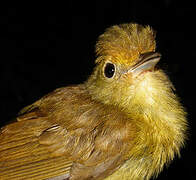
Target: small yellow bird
123, 123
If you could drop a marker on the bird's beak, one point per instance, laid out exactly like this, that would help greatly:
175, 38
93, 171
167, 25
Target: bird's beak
146, 62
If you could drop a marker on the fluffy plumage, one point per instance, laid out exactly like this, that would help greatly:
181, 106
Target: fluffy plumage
124, 43
127, 126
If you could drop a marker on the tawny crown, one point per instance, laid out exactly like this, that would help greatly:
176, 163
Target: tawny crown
124, 43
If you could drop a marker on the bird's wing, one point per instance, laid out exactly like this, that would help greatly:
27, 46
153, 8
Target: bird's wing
76, 138
22, 156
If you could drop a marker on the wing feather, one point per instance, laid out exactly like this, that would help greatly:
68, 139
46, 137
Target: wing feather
36, 169
26, 158
22, 156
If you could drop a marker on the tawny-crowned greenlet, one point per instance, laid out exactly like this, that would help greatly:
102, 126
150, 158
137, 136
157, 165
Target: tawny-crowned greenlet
124, 122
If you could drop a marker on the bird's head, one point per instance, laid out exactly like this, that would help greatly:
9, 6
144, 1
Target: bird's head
125, 63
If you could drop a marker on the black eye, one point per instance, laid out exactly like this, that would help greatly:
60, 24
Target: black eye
109, 70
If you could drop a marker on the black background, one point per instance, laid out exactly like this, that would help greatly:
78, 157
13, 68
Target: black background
46, 46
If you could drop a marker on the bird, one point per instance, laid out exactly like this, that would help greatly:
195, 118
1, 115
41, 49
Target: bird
124, 122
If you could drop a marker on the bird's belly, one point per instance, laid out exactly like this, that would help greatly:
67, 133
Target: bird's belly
129, 171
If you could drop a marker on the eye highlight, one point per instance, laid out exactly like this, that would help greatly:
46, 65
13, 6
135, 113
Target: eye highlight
109, 70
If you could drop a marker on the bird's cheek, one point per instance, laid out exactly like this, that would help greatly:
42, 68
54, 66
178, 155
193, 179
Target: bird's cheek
127, 78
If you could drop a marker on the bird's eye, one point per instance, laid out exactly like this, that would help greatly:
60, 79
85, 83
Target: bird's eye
109, 70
